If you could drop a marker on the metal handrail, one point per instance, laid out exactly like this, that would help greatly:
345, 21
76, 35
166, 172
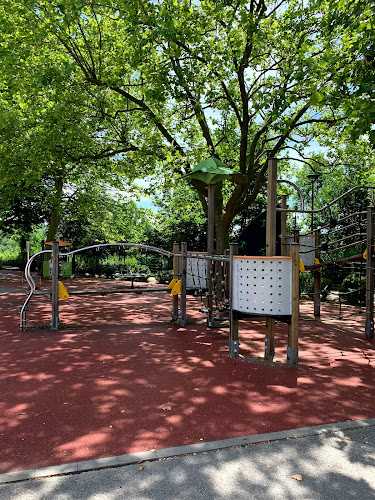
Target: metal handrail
296, 188
290, 210
132, 245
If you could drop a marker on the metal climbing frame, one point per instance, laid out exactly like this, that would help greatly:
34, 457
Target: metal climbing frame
54, 291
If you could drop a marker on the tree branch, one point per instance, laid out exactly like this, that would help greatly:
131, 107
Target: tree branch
196, 105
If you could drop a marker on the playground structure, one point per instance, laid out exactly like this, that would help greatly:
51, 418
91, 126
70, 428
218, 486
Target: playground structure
191, 268
197, 274
58, 290
250, 286
317, 254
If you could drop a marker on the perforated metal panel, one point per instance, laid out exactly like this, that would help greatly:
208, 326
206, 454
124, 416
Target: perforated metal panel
306, 243
196, 271
262, 286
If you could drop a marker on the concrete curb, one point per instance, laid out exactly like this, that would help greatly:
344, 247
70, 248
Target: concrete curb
146, 456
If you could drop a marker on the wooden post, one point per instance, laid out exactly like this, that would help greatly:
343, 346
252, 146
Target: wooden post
176, 273
210, 248
210, 219
233, 321
292, 349
369, 326
55, 286
269, 344
317, 274
283, 226
271, 208
183, 284
226, 276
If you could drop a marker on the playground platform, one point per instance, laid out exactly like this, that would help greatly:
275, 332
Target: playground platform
120, 378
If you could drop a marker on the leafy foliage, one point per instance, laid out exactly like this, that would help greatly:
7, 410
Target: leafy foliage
144, 88
179, 218
170, 83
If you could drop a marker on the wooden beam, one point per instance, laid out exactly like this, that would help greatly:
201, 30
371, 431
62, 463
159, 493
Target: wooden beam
183, 267
271, 208
269, 344
292, 349
284, 248
210, 248
211, 219
176, 274
353, 258
233, 321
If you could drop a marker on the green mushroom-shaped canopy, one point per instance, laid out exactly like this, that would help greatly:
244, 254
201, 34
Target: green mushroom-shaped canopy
211, 171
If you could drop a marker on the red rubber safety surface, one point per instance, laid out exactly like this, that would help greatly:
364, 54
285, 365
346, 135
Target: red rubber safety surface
120, 378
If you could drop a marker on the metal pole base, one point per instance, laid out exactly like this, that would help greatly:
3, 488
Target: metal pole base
269, 347
182, 320
369, 329
54, 323
174, 314
291, 356
234, 348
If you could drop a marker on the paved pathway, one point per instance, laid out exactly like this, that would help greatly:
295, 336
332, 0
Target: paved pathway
336, 463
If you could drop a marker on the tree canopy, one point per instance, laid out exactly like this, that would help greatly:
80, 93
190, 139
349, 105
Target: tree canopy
165, 84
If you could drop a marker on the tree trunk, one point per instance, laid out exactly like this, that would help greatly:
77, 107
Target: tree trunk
222, 236
53, 223
55, 213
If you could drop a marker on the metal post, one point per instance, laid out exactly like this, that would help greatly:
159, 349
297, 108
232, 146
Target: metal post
317, 274
312, 206
233, 321
27, 251
42, 260
183, 284
292, 349
55, 286
369, 326
73, 262
313, 178
176, 261
269, 343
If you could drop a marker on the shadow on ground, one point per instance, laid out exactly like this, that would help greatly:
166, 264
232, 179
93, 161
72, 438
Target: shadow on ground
120, 378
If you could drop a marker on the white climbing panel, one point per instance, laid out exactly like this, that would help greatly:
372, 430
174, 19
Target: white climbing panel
306, 244
196, 271
262, 285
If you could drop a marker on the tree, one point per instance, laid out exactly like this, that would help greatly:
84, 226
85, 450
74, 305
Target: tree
354, 26
54, 143
99, 217
341, 166
241, 81
179, 217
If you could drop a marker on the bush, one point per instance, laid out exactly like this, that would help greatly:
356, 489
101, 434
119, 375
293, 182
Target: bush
354, 288
164, 277
306, 283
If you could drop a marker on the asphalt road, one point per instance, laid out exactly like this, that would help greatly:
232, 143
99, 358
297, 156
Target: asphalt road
330, 466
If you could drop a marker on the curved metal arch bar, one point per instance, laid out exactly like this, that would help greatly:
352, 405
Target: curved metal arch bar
328, 205
296, 188
31, 283
133, 245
